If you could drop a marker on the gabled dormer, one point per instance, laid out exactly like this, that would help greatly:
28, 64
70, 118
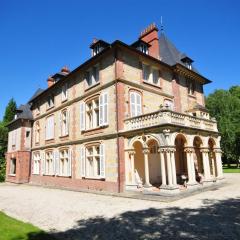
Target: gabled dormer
97, 46
187, 61
142, 46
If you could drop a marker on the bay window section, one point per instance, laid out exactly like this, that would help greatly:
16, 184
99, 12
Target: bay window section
49, 163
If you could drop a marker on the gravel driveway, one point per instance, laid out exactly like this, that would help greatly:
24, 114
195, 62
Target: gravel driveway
74, 215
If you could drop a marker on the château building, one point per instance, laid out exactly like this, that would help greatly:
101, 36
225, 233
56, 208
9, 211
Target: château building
131, 117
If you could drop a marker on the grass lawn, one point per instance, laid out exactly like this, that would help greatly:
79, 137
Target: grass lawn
232, 169
12, 229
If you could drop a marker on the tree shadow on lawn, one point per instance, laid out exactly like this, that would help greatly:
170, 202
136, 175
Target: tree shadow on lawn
215, 220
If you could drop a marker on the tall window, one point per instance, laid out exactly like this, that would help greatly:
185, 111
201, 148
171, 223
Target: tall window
50, 128
191, 86
13, 166
150, 74
64, 92
65, 163
36, 163
49, 164
37, 132
135, 104
50, 101
64, 123
92, 75
94, 113
93, 161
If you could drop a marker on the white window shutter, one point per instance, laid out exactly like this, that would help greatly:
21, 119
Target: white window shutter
60, 124
132, 104
82, 116
138, 104
83, 161
43, 162
103, 109
102, 161
68, 122
69, 169
52, 127
56, 161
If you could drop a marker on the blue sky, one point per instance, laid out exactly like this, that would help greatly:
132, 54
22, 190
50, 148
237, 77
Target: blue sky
39, 37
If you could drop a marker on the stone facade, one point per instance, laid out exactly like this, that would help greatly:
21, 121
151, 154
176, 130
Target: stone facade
123, 130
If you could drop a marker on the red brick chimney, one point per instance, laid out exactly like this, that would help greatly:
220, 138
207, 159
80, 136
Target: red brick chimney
65, 70
150, 35
50, 81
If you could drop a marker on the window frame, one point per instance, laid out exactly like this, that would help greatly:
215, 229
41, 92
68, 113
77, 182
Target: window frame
37, 132
50, 102
64, 97
91, 78
13, 171
151, 71
36, 162
50, 168
138, 108
47, 138
65, 121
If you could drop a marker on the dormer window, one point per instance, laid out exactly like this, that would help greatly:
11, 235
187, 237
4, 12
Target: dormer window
92, 76
189, 65
187, 61
50, 102
143, 48
97, 49
97, 46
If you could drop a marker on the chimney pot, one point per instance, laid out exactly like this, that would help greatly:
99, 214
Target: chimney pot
50, 81
65, 69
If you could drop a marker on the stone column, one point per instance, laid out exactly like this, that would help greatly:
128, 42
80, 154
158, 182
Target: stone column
190, 166
169, 168
206, 166
163, 168
211, 156
146, 168
173, 166
132, 168
218, 154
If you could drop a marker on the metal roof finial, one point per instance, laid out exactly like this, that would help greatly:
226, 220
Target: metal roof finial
161, 30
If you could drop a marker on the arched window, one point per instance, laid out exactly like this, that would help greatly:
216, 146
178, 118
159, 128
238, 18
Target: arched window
64, 123
135, 104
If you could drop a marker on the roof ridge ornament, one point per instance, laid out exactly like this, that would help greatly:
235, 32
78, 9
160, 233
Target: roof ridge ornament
161, 28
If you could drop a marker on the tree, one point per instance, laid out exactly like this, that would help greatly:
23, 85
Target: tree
10, 111
8, 117
224, 105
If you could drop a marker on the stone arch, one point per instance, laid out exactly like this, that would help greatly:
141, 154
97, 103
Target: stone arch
154, 161
177, 134
212, 156
180, 143
197, 156
144, 140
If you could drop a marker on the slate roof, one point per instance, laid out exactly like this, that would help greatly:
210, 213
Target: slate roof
38, 92
169, 53
24, 112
